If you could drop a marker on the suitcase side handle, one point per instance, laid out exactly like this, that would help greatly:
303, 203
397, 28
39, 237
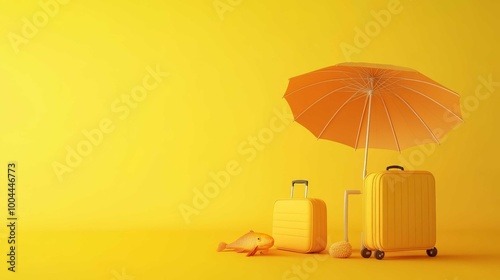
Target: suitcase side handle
305, 182
395, 167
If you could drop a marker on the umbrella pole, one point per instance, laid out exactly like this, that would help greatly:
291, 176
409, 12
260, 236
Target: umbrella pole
346, 212
367, 132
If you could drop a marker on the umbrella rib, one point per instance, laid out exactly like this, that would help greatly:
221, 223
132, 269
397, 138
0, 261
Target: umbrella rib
364, 71
354, 80
432, 84
420, 118
391, 123
359, 83
347, 77
386, 80
356, 98
361, 123
387, 84
432, 99
336, 71
314, 84
365, 85
319, 99
336, 112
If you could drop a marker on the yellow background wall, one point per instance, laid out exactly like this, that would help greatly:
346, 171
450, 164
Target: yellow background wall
227, 72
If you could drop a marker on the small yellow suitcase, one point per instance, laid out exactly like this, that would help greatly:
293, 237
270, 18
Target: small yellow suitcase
299, 224
399, 212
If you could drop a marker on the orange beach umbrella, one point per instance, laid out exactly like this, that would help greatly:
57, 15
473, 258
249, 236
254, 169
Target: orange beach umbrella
373, 106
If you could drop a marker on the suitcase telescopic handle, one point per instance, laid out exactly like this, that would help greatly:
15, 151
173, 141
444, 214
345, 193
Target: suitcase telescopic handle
395, 167
305, 182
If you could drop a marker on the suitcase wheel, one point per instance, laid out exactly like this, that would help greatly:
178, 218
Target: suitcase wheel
365, 253
432, 252
379, 254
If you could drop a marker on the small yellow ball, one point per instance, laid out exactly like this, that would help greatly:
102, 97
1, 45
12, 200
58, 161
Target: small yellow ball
340, 249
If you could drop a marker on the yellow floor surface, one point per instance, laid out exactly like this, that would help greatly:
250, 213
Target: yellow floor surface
149, 255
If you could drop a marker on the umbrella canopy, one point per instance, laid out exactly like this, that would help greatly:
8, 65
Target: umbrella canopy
366, 105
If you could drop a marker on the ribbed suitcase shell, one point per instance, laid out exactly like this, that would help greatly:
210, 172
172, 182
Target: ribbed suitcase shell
299, 225
399, 211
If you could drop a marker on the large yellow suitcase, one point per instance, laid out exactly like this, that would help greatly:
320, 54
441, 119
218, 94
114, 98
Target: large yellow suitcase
299, 224
399, 212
